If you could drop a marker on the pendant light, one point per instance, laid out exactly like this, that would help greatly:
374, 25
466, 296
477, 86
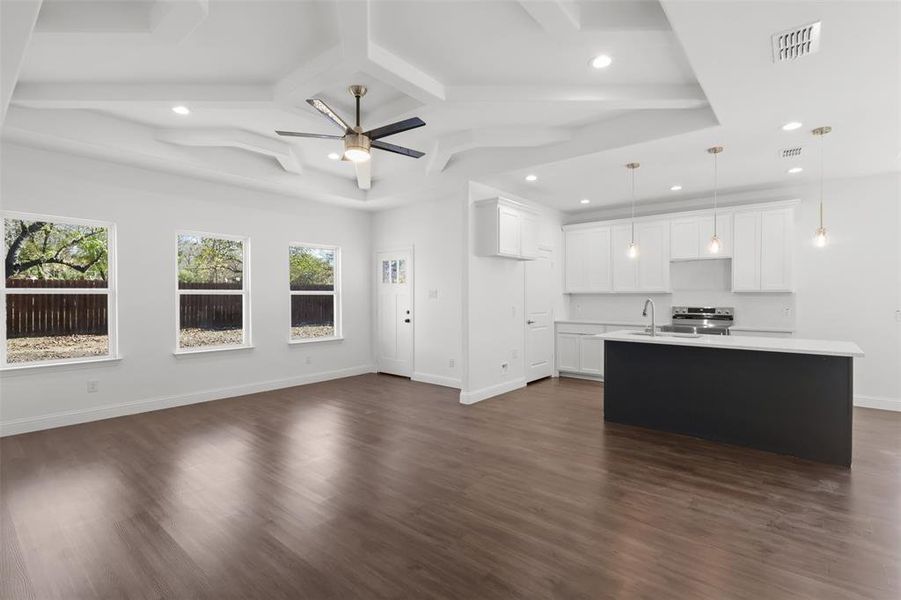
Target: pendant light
633, 247
715, 244
819, 237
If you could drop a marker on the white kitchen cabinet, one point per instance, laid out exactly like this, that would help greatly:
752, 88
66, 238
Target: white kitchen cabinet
653, 256
649, 271
625, 268
568, 358
507, 229
588, 260
591, 355
762, 253
690, 237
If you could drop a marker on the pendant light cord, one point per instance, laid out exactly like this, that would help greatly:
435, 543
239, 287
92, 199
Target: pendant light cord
821, 181
633, 205
715, 186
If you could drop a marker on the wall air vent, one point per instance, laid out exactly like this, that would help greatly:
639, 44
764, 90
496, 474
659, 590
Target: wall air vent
791, 152
792, 44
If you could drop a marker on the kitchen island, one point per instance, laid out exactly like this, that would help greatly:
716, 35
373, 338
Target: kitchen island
785, 395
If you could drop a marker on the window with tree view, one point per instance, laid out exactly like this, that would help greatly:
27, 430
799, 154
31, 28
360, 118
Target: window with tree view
212, 292
314, 285
58, 290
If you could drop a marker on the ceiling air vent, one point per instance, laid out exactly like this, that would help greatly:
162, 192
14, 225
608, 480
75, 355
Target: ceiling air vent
792, 44
791, 152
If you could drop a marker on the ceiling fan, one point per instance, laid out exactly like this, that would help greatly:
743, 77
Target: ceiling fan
358, 143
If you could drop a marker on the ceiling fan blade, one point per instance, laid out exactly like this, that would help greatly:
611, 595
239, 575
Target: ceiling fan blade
328, 112
364, 174
405, 125
322, 136
397, 149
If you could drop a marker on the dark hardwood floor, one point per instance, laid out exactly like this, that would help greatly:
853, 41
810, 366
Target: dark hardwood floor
376, 487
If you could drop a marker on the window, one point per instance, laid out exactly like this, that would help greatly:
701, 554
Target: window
315, 283
213, 299
394, 271
58, 291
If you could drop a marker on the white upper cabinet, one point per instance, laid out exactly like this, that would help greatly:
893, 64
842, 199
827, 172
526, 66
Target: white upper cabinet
653, 255
507, 229
690, 237
762, 254
757, 238
625, 268
776, 228
649, 271
588, 260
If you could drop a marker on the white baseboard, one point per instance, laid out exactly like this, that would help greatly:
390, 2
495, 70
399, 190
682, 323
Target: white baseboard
451, 382
96, 413
491, 391
881, 403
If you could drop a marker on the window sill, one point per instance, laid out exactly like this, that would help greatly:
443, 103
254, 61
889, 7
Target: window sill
60, 365
185, 352
334, 338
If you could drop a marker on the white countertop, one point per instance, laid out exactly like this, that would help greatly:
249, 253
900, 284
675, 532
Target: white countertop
728, 342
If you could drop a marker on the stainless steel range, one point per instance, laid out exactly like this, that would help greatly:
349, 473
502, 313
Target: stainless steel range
706, 320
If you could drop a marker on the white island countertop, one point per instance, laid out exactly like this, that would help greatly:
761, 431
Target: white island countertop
728, 342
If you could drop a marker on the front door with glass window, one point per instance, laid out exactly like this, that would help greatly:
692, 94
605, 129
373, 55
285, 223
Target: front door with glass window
395, 312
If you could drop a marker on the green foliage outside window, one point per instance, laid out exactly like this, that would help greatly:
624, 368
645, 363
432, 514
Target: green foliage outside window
42, 250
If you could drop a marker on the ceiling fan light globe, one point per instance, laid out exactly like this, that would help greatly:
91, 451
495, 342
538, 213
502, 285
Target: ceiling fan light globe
356, 154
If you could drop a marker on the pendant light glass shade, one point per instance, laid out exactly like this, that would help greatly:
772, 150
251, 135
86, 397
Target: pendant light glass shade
819, 236
633, 247
715, 244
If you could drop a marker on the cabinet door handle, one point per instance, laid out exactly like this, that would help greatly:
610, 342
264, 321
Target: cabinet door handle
529, 322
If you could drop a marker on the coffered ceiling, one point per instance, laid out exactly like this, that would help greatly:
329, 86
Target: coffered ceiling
504, 86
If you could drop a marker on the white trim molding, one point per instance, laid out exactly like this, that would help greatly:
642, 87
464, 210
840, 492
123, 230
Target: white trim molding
109, 411
491, 391
451, 382
878, 402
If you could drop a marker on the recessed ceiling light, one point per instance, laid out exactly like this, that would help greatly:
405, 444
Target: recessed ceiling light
792, 125
601, 61
531, 177
334, 155
584, 201
181, 110
675, 188
794, 170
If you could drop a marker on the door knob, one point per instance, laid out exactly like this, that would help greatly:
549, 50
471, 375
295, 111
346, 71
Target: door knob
406, 320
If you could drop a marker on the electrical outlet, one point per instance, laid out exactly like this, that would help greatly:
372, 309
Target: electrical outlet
787, 311
513, 310
451, 363
898, 315
309, 360
514, 353
93, 386
433, 294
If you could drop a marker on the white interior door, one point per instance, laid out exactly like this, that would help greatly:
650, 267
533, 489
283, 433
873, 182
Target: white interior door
539, 337
395, 312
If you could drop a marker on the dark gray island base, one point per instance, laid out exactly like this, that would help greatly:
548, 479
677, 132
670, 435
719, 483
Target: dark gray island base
796, 404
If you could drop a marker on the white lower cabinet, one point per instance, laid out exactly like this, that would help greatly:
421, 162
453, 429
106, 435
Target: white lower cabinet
578, 351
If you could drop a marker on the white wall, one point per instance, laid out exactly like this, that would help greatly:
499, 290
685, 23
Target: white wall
434, 228
494, 325
148, 207
848, 290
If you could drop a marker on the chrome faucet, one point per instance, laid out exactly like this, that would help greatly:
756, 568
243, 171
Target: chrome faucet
644, 313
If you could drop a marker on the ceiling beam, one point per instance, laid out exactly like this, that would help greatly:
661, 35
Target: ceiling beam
174, 20
235, 138
611, 97
17, 21
498, 137
554, 16
102, 95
